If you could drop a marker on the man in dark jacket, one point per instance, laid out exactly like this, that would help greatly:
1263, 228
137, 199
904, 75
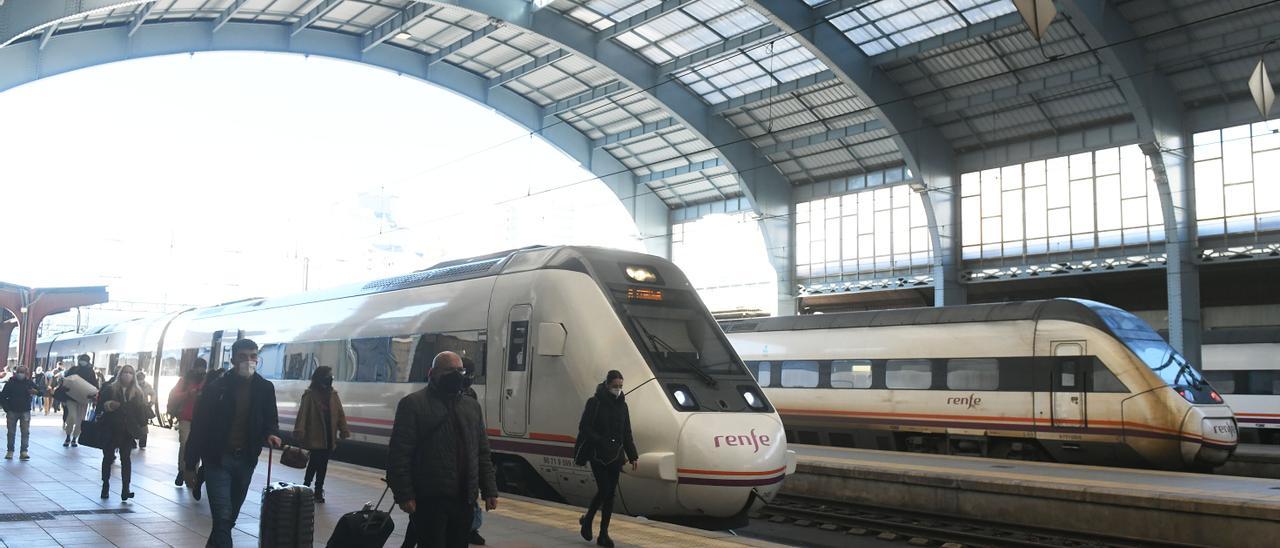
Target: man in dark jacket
16, 401
74, 410
438, 460
234, 417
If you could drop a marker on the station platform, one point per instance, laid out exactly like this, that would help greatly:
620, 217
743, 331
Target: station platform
1143, 505
1254, 460
52, 500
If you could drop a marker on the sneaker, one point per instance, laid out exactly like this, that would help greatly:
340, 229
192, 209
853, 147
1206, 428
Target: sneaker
25, 456
476, 539
8, 455
319, 496
66, 442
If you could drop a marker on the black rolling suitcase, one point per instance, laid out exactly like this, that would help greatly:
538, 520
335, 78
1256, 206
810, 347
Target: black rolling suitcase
288, 514
367, 528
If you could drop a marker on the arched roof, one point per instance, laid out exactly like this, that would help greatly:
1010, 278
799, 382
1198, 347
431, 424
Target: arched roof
682, 102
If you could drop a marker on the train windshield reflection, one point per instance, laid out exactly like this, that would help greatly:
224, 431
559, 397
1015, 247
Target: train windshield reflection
1150, 347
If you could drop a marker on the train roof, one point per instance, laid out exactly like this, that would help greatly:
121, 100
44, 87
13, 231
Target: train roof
1072, 310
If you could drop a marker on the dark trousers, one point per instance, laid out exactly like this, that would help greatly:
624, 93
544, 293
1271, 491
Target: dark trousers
606, 487
316, 467
126, 466
442, 522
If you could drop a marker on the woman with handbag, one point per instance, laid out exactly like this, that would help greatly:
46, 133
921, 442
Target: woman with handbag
123, 412
320, 422
604, 440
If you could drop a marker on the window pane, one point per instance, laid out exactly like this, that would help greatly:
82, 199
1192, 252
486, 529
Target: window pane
1036, 214
908, 374
1104, 380
973, 374
1208, 176
851, 374
1012, 208
1082, 206
1108, 202
799, 374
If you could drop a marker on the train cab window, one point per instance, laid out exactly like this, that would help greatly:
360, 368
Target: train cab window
973, 374
1222, 381
1067, 374
908, 374
1105, 381
851, 374
800, 374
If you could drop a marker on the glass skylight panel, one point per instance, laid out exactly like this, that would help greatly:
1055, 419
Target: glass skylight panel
881, 26
602, 14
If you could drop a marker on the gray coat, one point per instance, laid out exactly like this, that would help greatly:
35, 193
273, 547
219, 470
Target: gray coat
422, 459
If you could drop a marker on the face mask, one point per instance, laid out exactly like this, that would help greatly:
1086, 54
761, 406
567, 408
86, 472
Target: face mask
615, 391
449, 383
327, 381
21, 376
245, 369
126, 378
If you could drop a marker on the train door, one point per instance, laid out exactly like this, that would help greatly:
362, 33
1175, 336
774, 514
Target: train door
220, 348
514, 411
1068, 384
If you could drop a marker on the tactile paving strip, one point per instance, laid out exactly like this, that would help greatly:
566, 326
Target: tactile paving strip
622, 531
39, 516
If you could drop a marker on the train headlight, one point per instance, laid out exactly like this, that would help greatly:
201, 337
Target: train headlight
1216, 398
683, 397
752, 397
642, 274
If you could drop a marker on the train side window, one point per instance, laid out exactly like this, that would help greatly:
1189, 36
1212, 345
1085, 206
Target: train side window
973, 374
1105, 381
1261, 383
908, 374
271, 361
800, 374
851, 374
764, 373
375, 362
1222, 381
467, 344
1067, 374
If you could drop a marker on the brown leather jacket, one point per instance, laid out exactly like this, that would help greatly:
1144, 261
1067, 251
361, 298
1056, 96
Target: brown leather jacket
309, 430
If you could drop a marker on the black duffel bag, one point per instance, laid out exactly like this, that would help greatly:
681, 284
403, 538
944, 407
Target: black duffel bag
94, 433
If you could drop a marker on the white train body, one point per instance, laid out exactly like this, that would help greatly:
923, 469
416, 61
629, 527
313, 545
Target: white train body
543, 325
1044, 379
1244, 364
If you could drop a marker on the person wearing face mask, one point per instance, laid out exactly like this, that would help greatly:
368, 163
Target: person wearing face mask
234, 416
16, 401
604, 440
74, 408
123, 412
182, 405
321, 422
438, 458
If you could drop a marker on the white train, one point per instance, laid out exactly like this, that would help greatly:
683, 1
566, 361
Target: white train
1064, 380
1244, 365
545, 324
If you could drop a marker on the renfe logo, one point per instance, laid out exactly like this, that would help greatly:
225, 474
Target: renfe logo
971, 401
753, 441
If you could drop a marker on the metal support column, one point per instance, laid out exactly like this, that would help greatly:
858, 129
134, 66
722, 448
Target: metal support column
1172, 170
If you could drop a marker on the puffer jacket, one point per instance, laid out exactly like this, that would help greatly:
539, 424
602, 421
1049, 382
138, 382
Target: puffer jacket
422, 458
309, 431
604, 432
129, 421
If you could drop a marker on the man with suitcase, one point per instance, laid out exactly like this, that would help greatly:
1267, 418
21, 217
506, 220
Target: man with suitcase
234, 417
438, 460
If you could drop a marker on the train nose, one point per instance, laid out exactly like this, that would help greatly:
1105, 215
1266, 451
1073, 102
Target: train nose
721, 462
1209, 436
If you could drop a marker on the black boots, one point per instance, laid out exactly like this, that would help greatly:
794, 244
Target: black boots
178, 480
319, 496
476, 539
106, 487
604, 539
586, 527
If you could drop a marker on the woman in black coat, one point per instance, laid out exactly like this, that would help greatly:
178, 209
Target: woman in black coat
604, 440
123, 412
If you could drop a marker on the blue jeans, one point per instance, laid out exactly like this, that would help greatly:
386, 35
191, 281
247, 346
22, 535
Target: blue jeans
226, 484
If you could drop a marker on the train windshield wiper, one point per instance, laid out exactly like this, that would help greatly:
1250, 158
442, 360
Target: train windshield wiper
664, 349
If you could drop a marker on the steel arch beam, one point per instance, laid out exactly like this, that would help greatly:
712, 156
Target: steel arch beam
23, 62
1158, 114
927, 153
764, 186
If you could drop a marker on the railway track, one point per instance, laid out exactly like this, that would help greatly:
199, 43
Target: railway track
924, 529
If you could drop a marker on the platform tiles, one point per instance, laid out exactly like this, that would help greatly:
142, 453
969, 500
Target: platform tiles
1151, 505
52, 500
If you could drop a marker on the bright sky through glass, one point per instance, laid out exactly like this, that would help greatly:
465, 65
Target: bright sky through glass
199, 179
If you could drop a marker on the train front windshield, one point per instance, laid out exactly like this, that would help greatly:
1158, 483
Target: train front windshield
1152, 349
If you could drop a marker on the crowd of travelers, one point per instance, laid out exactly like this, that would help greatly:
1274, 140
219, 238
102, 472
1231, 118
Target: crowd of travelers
439, 468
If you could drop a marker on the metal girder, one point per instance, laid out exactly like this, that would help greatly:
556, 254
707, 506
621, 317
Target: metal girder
590, 96
228, 13
528, 68
461, 43
667, 6
832, 9
824, 137
948, 38
723, 47
140, 16
47, 34
927, 153
1095, 74
313, 15
394, 25
682, 170
774, 91
646, 129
